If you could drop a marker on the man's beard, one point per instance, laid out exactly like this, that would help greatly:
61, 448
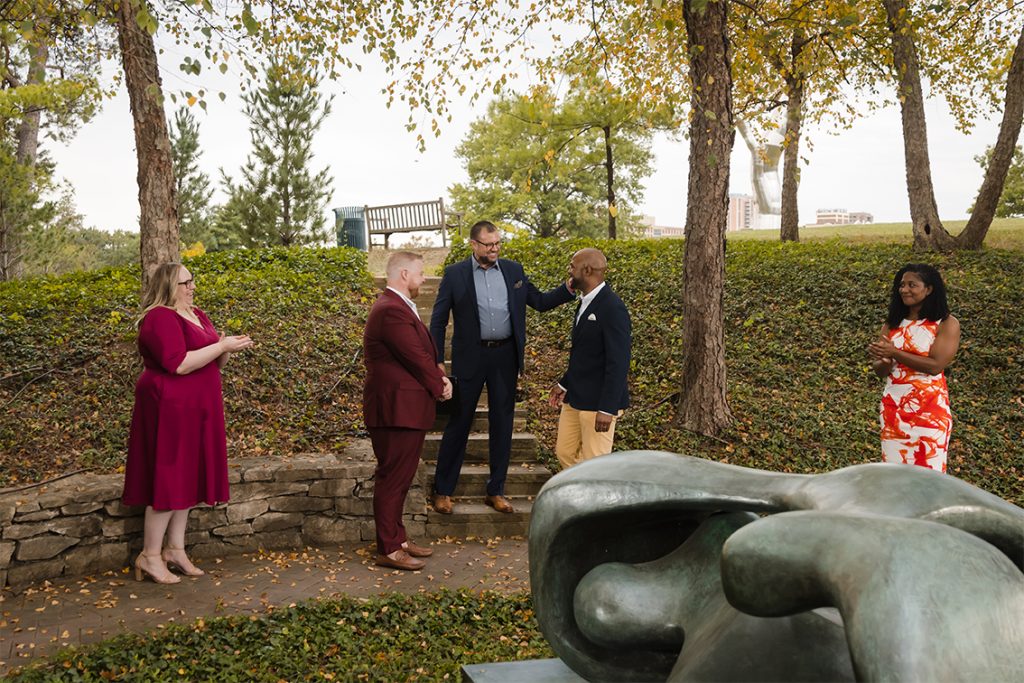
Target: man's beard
413, 292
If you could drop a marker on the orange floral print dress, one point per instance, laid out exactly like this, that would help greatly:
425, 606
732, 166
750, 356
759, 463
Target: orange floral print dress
915, 416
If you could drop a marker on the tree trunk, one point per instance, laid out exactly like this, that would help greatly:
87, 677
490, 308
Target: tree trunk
285, 234
609, 164
929, 232
8, 255
12, 223
158, 222
703, 406
790, 228
28, 129
973, 235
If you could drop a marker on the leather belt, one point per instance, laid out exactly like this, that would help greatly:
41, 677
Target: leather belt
494, 343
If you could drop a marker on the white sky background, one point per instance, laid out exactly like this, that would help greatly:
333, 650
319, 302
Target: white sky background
374, 160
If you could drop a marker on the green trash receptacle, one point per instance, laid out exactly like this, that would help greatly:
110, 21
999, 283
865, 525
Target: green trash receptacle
350, 225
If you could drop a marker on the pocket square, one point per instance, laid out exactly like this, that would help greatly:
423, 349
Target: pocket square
518, 284
591, 317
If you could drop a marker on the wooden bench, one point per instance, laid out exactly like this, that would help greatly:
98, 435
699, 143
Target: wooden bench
414, 217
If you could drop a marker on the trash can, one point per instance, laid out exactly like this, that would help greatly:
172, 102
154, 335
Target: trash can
350, 226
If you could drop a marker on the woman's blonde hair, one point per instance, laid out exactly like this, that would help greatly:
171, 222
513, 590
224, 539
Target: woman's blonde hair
162, 289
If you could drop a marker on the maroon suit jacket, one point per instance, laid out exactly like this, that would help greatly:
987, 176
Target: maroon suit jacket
403, 381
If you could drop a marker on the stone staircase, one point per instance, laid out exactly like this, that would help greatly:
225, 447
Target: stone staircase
526, 474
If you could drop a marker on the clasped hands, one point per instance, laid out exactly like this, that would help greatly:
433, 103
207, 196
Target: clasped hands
602, 421
235, 342
446, 393
882, 350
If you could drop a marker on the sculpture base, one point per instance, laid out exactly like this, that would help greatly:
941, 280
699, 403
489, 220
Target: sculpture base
533, 670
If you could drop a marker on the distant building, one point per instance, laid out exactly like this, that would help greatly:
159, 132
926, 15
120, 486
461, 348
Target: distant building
842, 217
652, 230
742, 212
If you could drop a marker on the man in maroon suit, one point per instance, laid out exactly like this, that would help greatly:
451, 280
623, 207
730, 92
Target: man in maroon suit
403, 383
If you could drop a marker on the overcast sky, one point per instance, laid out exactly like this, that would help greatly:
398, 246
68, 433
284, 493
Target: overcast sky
374, 160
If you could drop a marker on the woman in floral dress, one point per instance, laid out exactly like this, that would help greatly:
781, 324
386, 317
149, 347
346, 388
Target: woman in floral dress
916, 343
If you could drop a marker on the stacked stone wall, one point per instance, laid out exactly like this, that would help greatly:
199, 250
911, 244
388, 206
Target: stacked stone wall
77, 525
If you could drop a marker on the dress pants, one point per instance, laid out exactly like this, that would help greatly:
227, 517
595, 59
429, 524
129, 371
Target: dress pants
577, 440
398, 453
498, 370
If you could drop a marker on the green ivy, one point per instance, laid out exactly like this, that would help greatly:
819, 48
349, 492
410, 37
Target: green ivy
798, 319
425, 637
68, 361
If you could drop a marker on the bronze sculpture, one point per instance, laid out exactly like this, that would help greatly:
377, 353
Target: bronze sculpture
655, 566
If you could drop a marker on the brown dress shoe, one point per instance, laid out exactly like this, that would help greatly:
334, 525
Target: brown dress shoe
499, 503
442, 504
401, 560
417, 550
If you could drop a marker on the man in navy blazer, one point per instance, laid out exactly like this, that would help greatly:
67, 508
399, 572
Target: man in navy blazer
487, 298
593, 391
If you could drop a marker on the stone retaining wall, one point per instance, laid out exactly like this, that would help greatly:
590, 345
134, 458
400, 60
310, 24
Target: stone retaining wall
77, 526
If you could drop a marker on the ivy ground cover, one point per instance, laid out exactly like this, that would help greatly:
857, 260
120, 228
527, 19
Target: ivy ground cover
798, 319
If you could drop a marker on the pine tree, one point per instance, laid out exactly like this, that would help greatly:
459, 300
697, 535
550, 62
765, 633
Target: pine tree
279, 200
193, 186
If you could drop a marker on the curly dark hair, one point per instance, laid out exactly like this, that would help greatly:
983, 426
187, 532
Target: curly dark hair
934, 307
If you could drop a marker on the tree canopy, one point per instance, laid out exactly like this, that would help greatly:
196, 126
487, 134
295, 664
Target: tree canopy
541, 164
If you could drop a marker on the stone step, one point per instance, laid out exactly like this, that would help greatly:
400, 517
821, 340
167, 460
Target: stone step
471, 517
480, 422
524, 447
523, 480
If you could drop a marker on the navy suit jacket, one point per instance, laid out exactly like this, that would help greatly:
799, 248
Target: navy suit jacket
599, 359
457, 296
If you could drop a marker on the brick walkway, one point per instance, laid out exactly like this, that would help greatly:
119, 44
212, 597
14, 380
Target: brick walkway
39, 621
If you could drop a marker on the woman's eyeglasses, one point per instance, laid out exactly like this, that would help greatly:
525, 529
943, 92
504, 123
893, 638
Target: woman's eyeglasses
189, 282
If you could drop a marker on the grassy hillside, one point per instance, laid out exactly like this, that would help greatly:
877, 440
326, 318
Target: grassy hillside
1005, 233
798, 321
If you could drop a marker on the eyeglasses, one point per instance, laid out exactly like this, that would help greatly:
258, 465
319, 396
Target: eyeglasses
489, 245
189, 282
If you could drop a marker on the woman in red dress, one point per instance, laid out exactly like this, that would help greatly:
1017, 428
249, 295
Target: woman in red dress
177, 450
916, 343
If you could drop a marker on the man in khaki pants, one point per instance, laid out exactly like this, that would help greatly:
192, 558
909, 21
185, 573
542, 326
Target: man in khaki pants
593, 391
